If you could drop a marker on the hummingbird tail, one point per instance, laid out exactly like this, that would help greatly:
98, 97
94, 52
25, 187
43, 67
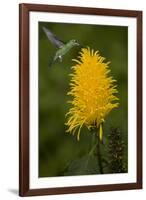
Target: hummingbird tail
51, 62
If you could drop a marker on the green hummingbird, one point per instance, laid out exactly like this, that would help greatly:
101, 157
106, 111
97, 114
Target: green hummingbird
63, 47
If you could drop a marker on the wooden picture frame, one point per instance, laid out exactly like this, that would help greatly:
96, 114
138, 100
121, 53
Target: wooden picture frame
24, 92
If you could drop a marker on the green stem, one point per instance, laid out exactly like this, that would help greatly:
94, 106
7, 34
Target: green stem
96, 146
99, 154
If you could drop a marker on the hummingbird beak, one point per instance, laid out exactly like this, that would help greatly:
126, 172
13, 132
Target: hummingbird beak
79, 44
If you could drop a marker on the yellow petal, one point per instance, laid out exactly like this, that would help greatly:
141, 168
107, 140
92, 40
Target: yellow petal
100, 132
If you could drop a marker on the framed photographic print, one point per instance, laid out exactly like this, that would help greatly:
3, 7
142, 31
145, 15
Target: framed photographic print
80, 99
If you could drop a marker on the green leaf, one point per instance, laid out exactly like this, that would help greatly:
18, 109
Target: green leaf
83, 166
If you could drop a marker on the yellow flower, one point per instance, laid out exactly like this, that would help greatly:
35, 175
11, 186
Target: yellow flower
93, 92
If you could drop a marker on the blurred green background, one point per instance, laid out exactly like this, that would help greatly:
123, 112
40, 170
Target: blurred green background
57, 149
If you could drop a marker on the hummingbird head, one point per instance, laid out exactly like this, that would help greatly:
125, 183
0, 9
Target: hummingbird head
74, 43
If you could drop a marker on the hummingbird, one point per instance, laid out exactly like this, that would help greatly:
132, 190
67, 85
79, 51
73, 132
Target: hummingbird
62, 47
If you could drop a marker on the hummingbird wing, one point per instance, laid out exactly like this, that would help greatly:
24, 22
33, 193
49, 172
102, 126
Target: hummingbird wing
53, 38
